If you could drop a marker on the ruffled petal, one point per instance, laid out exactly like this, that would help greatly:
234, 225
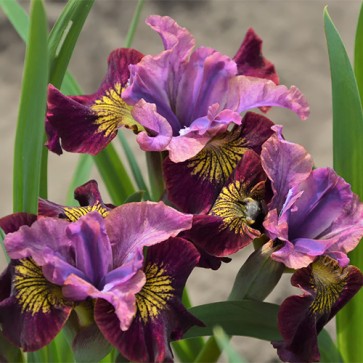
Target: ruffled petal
13, 222
245, 93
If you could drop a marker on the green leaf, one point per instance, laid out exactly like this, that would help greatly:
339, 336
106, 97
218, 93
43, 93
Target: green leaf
136, 197
20, 21
328, 350
358, 54
80, 176
223, 341
135, 169
134, 23
2, 236
30, 127
248, 318
9, 351
114, 175
17, 17
348, 161
63, 37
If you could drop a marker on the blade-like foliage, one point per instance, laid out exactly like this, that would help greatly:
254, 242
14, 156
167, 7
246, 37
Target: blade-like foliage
63, 37
135, 169
225, 345
81, 176
114, 175
327, 348
348, 161
358, 54
30, 127
248, 318
2, 236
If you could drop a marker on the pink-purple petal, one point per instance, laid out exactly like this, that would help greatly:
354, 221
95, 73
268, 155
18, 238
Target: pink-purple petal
133, 226
245, 93
286, 165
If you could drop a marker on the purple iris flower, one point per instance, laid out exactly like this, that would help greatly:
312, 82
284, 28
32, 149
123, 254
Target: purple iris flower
312, 212
185, 97
57, 264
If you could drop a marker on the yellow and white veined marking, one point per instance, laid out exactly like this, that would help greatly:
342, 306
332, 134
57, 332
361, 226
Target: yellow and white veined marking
73, 214
219, 157
113, 112
328, 280
236, 207
33, 291
156, 292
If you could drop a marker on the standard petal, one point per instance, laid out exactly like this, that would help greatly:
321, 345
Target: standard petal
133, 226
91, 248
286, 165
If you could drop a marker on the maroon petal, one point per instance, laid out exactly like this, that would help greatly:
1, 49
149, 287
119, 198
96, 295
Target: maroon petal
250, 61
160, 315
13, 222
88, 197
86, 124
328, 287
35, 312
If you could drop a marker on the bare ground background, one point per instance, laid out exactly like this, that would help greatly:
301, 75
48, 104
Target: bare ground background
293, 40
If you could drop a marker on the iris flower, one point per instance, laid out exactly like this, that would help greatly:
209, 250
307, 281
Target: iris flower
208, 172
57, 265
184, 96
312, 212
177, 100
327, 288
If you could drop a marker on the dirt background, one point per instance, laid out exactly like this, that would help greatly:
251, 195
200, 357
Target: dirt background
294, 41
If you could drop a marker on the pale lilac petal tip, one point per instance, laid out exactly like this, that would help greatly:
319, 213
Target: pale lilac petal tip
249, 92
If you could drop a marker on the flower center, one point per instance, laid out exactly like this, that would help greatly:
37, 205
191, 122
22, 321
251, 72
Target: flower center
236, 207
73, 214
33, 291
219, 157
113, 112
155, 294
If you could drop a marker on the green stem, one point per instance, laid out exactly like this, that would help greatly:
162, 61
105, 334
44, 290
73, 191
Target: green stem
155, 170
134, 23
210, 352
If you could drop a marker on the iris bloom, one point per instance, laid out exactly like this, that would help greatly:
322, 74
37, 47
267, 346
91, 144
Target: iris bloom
312, 212
177, 100
327, 288
56, 265
184, 96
